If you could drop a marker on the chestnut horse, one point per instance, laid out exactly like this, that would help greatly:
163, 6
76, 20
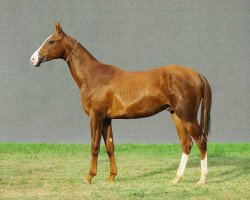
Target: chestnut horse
108, 92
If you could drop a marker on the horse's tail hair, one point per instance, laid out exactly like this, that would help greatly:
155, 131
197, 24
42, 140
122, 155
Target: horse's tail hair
206, 91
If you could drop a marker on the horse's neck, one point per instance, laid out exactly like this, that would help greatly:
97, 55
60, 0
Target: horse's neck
80, 62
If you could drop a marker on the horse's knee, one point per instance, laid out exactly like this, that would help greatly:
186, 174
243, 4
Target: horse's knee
110, 149
95, 150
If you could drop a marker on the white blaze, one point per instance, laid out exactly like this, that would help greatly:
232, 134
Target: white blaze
35, 57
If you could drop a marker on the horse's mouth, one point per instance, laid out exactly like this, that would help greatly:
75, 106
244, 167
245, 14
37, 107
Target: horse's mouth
40, 61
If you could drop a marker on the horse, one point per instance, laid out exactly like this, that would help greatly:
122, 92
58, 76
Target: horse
108, 92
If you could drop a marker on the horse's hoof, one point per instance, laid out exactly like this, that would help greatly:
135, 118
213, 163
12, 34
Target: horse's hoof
88, 180
200, 183
111, 179
176, 179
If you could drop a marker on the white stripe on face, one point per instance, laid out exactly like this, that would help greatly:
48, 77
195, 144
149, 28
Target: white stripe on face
35, 58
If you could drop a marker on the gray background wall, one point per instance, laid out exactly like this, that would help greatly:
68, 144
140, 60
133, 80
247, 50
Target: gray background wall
43, 105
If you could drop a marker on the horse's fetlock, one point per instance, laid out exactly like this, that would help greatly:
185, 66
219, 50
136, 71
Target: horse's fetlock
92, 173
113, 173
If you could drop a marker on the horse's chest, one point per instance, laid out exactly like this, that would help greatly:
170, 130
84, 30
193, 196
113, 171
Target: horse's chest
86, 107
97, 103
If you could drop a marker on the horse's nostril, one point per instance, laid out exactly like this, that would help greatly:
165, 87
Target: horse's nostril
32, 60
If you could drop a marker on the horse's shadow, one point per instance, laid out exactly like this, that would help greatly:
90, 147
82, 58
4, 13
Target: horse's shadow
150, 173
230, 167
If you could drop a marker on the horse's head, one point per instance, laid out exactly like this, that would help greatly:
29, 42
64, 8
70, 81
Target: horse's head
51, 48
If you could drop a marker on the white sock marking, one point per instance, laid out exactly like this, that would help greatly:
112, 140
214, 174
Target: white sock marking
204, 170
204, 165
182, 166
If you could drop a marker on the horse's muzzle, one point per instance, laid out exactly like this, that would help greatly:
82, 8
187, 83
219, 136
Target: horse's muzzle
36, 59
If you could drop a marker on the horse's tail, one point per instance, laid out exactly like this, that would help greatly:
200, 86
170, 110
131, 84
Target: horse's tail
206, 90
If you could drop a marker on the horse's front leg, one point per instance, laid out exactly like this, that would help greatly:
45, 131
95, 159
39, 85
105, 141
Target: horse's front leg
109, 144
96, 126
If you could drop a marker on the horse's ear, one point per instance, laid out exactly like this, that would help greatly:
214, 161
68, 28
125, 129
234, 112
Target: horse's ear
59, 28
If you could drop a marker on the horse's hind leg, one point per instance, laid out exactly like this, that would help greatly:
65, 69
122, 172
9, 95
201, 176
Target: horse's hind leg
186, 145
109, 144
201, 141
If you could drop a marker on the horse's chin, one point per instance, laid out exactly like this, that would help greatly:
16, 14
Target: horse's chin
38, 63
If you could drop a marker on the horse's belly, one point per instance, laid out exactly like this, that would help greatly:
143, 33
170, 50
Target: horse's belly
144, 107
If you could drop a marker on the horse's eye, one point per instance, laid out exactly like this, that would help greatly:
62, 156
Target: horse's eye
51, 42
